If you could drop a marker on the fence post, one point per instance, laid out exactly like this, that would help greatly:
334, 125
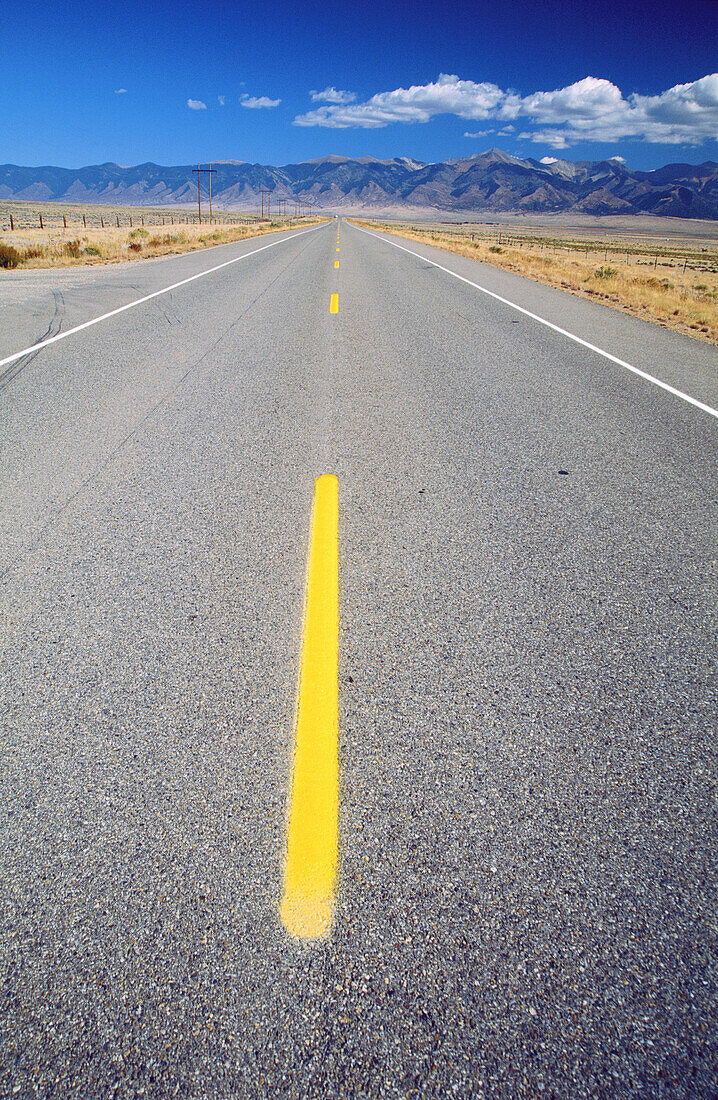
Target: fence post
84, 221
41, 225
64, 221
130, 221
655, 262
684, 265
102, 221
12, 224
118, 220
143, 219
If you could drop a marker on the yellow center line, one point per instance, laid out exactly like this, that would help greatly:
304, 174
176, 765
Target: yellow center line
334, 304
311, 868
337, 248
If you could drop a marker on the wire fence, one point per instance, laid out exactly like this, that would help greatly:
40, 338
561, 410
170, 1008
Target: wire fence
20, 219
686, 258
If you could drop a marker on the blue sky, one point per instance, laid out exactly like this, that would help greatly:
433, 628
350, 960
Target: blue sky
179, 82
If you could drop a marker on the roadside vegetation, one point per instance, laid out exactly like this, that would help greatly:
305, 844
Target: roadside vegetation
60, 247
676, 287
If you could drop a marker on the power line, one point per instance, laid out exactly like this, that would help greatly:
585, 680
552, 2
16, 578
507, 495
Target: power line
210, 171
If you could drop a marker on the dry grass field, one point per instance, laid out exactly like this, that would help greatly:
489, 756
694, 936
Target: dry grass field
674, 284
64, 240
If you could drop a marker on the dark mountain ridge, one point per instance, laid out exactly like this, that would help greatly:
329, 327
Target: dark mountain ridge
491, 181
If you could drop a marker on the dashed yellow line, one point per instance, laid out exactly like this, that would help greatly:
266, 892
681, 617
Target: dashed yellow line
334, 304
336, 263
310, 874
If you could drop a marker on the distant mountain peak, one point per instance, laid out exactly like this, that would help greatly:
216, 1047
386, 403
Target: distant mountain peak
492, 181
498, 154
489, 156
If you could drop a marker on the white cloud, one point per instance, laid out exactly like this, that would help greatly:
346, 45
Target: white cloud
332, 95
196, 105
587, 99
448, 95
478, 133
591, 109
257, 101
555, 139
220, 100
595, 110
120, 91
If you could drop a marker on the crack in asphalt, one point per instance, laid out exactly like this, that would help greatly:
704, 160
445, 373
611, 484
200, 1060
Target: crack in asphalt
53, 329
164, 400
165, 311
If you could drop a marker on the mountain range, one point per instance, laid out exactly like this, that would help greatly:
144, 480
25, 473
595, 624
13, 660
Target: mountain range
493, 181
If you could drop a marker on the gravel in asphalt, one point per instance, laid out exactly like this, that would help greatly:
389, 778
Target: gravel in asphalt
526, 900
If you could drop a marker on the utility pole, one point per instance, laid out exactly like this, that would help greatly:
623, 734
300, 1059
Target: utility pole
209, 171
264, 191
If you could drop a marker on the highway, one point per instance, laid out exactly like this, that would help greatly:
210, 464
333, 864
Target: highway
520, 887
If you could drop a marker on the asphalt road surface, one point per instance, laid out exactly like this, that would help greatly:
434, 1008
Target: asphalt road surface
525, 902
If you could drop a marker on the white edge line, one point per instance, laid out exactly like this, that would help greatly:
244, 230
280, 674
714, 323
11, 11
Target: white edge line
155, 294
549, 324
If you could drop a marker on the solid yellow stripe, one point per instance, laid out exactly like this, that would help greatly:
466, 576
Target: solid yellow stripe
310, 875
334, 304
